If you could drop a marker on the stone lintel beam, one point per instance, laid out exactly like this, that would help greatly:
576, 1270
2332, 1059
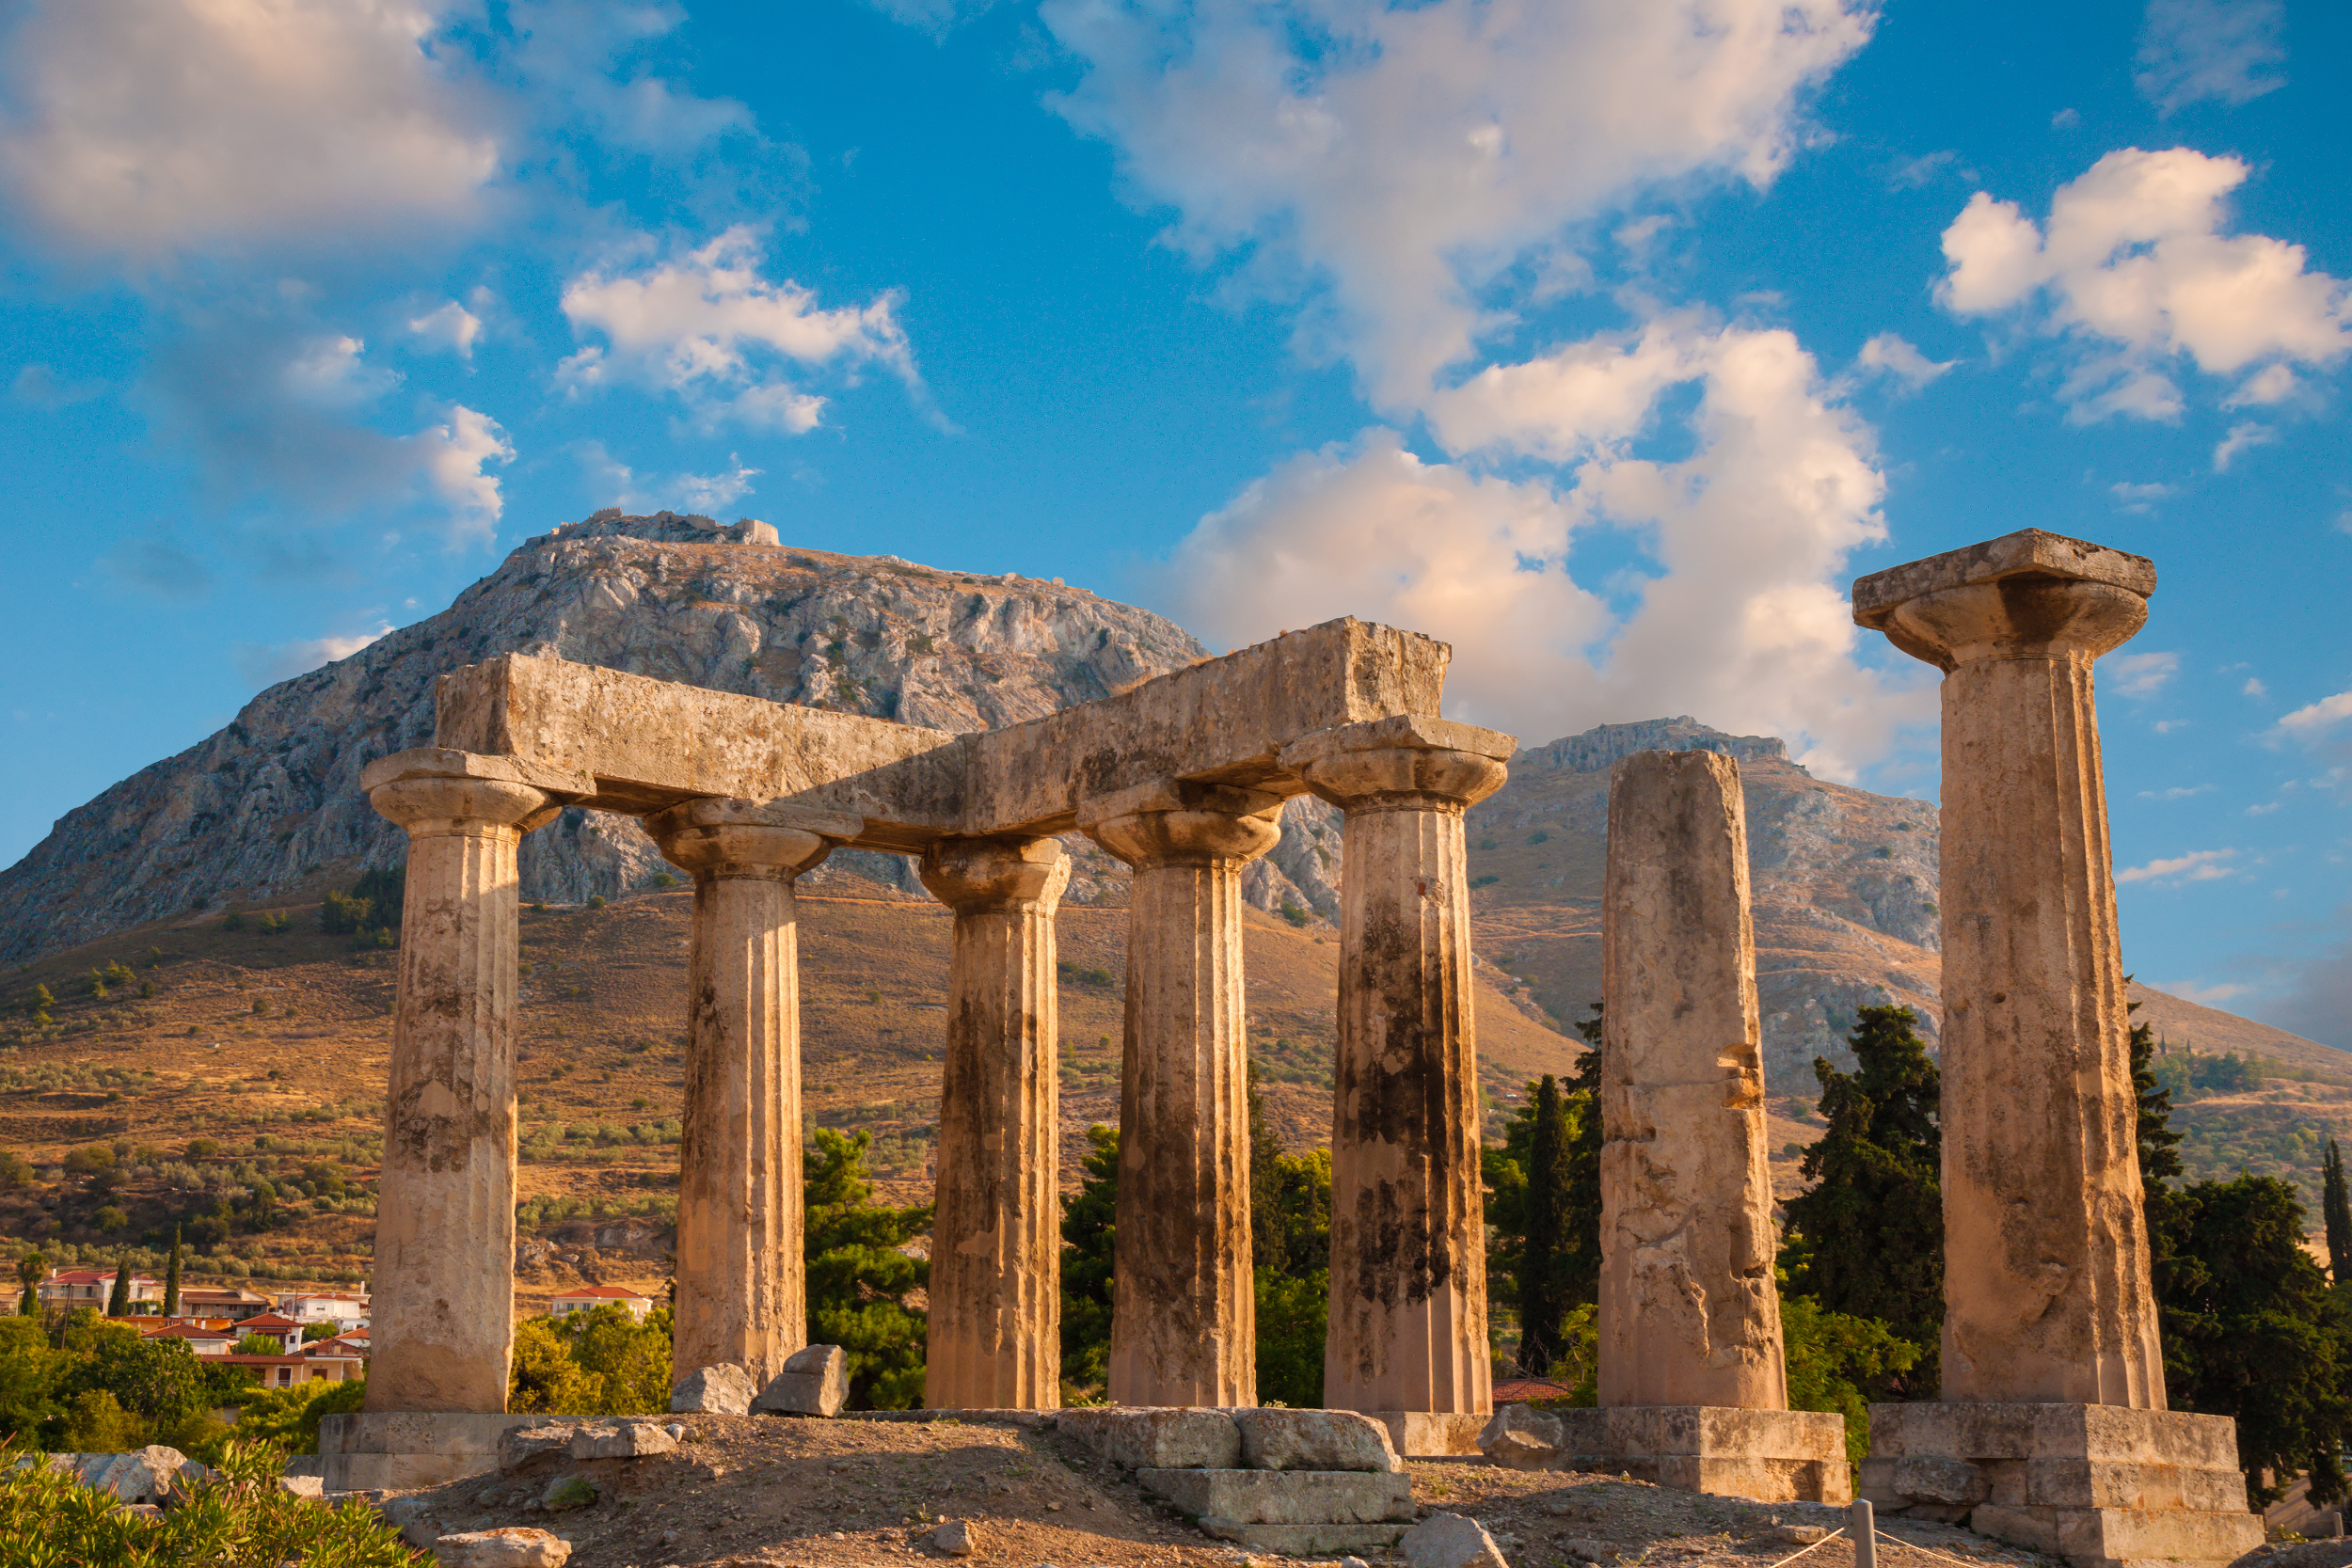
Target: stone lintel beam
648, 744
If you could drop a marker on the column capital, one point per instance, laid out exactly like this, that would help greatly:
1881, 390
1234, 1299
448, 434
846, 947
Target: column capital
721, 837
2028, 594
432, 790
1410, 762
972, 876
1173, 822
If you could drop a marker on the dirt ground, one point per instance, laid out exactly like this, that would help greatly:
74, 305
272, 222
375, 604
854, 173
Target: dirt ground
767, 1492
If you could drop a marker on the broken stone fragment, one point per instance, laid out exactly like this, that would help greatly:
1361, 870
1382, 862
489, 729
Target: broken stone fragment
1158, 1439
567, 1492
303, 1486
148, 1475
815, 1382
1451, 1541
953, 1538
725, 1389
1315, 1440
512, 1548
621, 1440
1521, 1438
520, 1445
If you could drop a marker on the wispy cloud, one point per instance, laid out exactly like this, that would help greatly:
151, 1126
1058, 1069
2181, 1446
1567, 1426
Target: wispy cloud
2192, 49
2314, 716
2204, 996
266, 664
2140, 674
2177, 792
2241, 436
2198, 865
2139, 498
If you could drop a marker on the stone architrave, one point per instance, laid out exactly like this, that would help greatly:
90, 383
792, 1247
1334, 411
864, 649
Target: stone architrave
2047, 1291
1407, 1327
444, 1299
2052, 1433
742, 1295
994, 1341
1690, 1314
1183, 1318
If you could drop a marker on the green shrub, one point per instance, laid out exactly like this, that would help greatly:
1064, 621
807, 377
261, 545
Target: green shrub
240, 1518
596, 900
289, 1417
233, 921
600, 1362
342, 914
1293, 913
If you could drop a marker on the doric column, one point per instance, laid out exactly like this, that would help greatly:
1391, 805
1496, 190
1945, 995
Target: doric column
444, 1285
994, 1341
1690, 1313
743, 1294
1409, 1271
1184, 1316
2046, 1288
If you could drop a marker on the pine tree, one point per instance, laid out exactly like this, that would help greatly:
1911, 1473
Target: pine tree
1580, 1257
1089, 1233
1866, 1237
1265, 1151
2335, 1207
1543, 1300
171, 1277
118, 1299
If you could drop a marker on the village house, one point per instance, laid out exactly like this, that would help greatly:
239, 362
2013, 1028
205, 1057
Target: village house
587, 1297
68, 1289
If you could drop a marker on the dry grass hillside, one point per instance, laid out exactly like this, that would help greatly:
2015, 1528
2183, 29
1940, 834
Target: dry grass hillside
219, 1059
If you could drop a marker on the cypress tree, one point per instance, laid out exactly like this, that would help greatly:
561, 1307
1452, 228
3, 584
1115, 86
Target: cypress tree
31, 1268
2335, 1207
1265, 1176
171, 1277
1867, 1235
1089, 1233
1580, 1256
1543, 1297
118, 1299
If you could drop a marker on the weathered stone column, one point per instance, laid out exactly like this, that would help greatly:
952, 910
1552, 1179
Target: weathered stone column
2052, 1432
995, 1288
1690, 1314
444, 1273
1409, 1269
742, 1290
2047, 1293
1184, 1323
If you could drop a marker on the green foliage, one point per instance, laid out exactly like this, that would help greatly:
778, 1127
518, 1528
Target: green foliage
1290, 1238
342, 914
288, 1418
171, 1277
1543, 1206
29, 1374
596, 900
89, 1159
257, 1344
1293, 1321
2335, 1208
233, 921
118, 1299
1089, 1231
158, 1382
1293, 913
599, 1362
858, 1279
15, 1171
95, 1422
1867, 1238
240, 1518
1833, 1357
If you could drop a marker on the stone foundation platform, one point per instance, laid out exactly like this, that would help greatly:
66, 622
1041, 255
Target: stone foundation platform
401, 1452
1432, 1434
1769, 1456
2099, 1484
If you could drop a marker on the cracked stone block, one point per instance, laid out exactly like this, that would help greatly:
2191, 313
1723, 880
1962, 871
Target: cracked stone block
1313, 1440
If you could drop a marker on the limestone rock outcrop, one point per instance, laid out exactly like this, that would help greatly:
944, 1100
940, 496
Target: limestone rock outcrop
272, 805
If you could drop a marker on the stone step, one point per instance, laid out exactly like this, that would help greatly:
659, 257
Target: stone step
1285, 1496
1305, 1540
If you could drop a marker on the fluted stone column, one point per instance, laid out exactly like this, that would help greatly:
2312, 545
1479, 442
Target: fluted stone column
2047, 1294
1690, 1314
1409, 1272
743, 1294
994, 1341
1183, 1324
444, 1268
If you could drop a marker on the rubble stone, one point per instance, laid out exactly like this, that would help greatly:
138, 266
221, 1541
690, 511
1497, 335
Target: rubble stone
1450, 1541
1285, 1496
952, 1538
501, 1548
148, 1475
522, 1445
621, 1440
815, 1382
725, 1389
1137, 1439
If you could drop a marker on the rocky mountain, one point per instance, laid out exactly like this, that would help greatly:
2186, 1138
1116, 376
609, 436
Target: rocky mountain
271, 804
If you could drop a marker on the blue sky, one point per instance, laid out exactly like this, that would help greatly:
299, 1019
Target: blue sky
1608, 341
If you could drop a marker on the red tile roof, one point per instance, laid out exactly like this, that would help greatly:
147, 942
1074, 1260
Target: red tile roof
600, 1292
269, 1320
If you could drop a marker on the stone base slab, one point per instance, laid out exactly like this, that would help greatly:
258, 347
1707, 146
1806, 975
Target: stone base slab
1773, 1456
391, 1451
2100, 1485
1030, 1420
1305, 1540
1285, 1497
1432, 1434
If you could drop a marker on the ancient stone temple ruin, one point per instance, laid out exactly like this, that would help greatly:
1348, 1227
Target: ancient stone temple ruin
2052, 1432
1180, 777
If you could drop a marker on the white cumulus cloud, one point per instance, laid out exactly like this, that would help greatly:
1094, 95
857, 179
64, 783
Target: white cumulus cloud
449, 325
145, 126
2138, 274
1890, 355
454, 456
709, 326
1395, 160
2311, 719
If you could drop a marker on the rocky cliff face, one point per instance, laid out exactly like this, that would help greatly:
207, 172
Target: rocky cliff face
272, 805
